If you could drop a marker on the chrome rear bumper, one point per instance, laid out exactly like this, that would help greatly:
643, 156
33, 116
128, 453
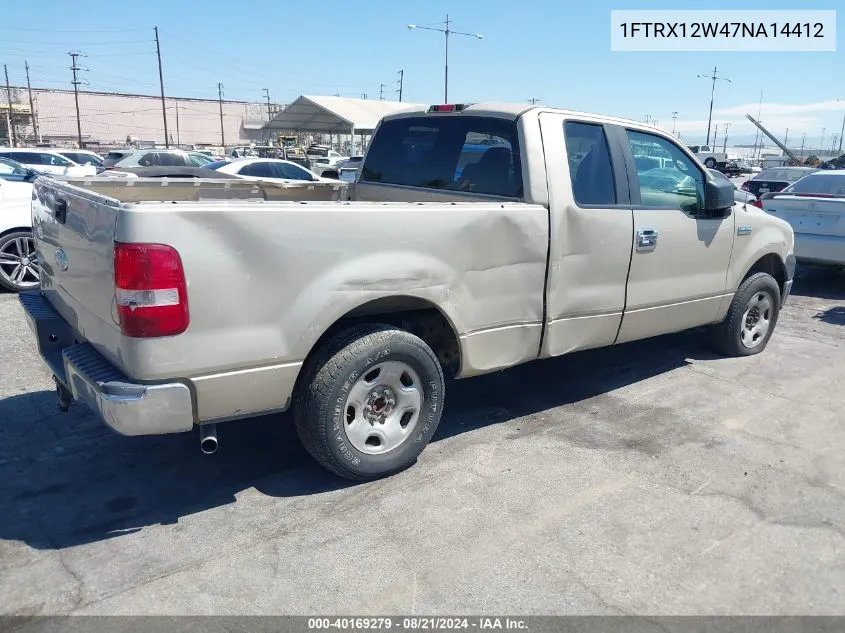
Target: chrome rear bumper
128, 407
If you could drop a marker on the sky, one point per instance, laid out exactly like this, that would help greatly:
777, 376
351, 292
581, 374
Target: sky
554, 51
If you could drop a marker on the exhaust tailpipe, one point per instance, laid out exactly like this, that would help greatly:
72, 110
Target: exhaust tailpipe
208, 438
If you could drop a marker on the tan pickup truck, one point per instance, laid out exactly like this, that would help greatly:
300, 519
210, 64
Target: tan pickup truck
476, 238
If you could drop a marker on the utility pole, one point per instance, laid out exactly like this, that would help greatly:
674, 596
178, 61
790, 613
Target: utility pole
674, 117
161, 83
381, 92
647, 117
803, 138
32, 114
712, 77
12, 133
220, 99
715, 137
74, 55
178, 138
401, 81
821, 142
533, 100
786, 137
267, 98
447, 32
725, 142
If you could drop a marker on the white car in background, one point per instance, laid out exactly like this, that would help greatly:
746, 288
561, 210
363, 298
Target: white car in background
18, 263
160, 158
323, 158
82, 156
47, 161
815, 208
272, 169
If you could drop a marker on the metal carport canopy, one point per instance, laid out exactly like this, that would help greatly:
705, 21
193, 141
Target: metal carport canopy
334, 115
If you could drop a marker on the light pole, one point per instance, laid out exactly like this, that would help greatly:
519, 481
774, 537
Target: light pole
842, 130
447, 32
713, 77
674, 117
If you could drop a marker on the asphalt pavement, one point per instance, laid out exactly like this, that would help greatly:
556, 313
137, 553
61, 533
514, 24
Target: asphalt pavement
651, 478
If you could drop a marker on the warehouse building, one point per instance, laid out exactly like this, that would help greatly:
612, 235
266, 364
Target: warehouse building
112, 119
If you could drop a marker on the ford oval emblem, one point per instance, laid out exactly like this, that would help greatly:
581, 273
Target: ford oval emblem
61, 259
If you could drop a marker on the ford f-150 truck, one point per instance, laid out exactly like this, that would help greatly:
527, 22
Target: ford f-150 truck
475, 238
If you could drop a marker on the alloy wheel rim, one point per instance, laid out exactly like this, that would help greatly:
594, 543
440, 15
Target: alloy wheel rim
19, 263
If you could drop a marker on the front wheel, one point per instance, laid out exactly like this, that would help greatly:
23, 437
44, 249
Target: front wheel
710, 163
369, 401
751, 318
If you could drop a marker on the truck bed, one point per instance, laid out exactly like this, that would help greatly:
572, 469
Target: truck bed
268, 271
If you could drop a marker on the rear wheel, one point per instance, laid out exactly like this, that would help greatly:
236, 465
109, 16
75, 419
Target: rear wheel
751, 317
710, 163
18, 261
369, 401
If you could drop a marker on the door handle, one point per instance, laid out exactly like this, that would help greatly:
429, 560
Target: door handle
60, 211
646, 240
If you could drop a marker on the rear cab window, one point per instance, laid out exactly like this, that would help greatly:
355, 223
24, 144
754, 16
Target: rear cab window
477, 155
590, 168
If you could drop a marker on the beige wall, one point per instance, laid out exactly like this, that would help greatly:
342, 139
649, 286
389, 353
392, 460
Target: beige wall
109, 118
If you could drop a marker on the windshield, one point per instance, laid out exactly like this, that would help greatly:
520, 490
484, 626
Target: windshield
11, 168
217, 164
825, 184
665, 180
782, 174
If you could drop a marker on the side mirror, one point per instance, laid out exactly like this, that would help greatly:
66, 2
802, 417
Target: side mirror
30, 175
718, 198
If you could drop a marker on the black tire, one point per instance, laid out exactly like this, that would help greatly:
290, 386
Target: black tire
727, 337
10, 274
321, 400
710, 163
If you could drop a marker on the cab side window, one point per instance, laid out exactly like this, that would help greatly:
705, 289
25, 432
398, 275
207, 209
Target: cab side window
677, 183
590, 169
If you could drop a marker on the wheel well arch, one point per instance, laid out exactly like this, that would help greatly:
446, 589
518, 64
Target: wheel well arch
25, 229
772, 264
413, 314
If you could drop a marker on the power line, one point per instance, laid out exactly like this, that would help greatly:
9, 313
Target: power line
21, 28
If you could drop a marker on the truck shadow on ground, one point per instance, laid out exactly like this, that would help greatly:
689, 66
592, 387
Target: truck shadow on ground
67, 480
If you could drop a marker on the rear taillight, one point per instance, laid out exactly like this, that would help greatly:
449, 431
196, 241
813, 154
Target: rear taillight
757, 203
745, 186
150, 289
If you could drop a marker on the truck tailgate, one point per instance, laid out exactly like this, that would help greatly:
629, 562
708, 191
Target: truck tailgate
74, 236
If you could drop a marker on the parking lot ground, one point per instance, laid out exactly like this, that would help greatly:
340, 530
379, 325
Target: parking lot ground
652, 478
